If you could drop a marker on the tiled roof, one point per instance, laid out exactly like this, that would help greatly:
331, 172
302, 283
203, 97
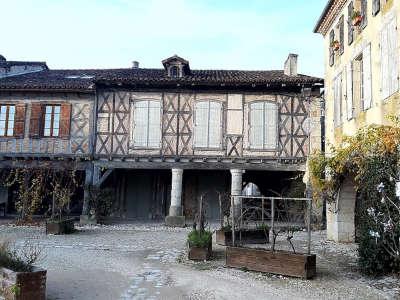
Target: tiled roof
86, 79
10, 63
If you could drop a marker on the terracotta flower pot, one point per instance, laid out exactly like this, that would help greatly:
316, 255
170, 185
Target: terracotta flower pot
357, 20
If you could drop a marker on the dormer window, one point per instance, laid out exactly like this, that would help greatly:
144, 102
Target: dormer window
176, 67
174, 72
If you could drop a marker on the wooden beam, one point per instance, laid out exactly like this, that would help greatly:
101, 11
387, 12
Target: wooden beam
104, 177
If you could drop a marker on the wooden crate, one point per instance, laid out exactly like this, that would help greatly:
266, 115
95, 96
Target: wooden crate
23, 285
200, 253
278, 262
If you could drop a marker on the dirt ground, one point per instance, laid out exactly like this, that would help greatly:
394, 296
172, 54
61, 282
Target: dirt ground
148, 261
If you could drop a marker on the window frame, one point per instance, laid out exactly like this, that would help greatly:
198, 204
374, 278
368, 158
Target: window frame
264, 148
221, 110
132, 135
7, 121
52, 121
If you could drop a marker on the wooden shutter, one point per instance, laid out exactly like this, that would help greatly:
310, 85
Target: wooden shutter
367, 83
364, 13
349, 91
270, 125
65, 120
350, 28
376, 7
154, 132
384, 63
201, 124
256, 138
215, 123
35, 123
19, 120
393, 57
331, 52
341, 35
140, 131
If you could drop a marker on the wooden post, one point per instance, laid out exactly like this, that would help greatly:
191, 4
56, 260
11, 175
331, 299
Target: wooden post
233, 220
262, 210
272, 214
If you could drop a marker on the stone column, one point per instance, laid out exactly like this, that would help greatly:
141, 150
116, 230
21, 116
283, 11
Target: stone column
236, 188
175, 217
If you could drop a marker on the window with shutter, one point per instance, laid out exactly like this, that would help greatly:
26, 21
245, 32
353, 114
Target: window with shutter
7, 117
341, 35
147, 124
366, 78
350, 28
331, 51
349, 91
389, 59
208, 124
19, 122
364, 13
337, 95
376, 7
263, 124
51, 118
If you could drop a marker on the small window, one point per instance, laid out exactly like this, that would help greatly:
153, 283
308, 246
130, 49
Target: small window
350, 28
331, 51
174, 72
341, 35
147, 124
207, 124
52, 121
364, 13
376, 7
7, 115
263, 121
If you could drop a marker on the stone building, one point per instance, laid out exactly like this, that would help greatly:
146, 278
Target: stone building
361, 82
162, 138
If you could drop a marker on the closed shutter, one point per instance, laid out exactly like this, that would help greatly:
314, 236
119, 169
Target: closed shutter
65, 120
376, 7
393, 57
349, 91
337, 96
341, 34
214, 129
364, 13
340, 99
257, 125
35, 124
331, 52
19, 121
384, 63
350, 28
367, 83
270, 125
154, 133
140, 124
201, 124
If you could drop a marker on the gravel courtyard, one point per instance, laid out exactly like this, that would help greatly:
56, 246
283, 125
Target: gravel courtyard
148, 261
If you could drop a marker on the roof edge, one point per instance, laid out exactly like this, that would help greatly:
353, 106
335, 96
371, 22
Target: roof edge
322, 16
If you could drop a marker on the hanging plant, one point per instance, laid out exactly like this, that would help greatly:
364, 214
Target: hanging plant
356, 18
335, 45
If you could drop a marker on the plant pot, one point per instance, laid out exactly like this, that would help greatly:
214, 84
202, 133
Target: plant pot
64, 226
23, 285
200, 253
249, 236
277, 262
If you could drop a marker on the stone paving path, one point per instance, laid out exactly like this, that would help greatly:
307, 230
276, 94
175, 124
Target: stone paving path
148, 261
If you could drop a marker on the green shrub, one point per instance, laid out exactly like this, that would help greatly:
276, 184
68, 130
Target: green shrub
18, 261
198, 238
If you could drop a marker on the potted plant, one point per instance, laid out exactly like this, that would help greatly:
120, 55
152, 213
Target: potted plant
356, 18
335, 45
63, 187
19, 278
199, 239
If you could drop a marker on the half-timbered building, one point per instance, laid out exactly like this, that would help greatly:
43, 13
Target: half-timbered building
161, 138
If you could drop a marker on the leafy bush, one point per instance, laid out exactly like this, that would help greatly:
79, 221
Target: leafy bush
19, 261
199, 238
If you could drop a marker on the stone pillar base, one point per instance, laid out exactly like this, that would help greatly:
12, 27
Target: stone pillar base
86, 220
175, 221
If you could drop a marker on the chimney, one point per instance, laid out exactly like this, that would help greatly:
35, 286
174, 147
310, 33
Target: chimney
135, 64
291, 65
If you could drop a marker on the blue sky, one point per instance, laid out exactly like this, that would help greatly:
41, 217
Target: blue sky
219, 34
